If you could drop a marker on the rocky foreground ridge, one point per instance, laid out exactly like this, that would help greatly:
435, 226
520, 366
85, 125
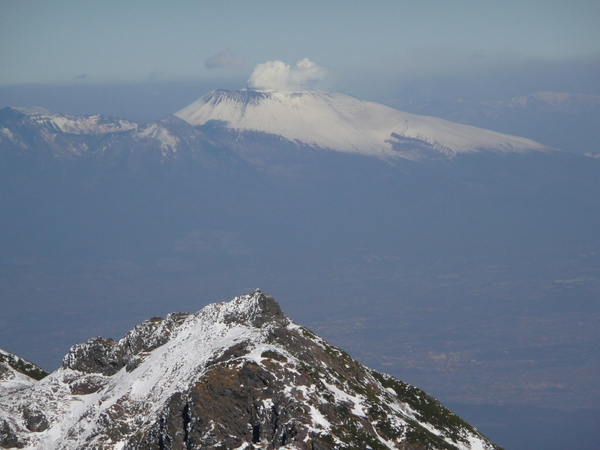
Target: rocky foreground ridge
235, 375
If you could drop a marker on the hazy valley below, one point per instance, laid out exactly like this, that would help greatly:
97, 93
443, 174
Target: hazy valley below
478, 288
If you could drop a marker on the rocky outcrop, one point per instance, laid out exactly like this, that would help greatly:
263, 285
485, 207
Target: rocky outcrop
10, 362
107, 357
235, 375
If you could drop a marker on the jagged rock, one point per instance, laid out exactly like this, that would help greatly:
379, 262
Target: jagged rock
35, 420
235, 375
107, 357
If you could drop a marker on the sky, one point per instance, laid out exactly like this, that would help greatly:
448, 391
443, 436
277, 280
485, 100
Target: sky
370, 49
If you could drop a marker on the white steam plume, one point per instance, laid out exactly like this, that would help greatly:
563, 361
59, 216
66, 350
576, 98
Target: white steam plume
225, 58
279, 76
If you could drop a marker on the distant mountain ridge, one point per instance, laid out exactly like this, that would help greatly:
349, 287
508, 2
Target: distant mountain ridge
35, 132
238, 375
553, 102
568, 121
306, 120
94, 124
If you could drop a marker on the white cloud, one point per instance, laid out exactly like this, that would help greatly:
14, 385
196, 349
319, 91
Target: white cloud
225, 58
279, 76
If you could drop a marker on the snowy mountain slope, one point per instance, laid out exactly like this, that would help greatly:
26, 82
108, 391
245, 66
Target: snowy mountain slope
11, 362
166, 139
16, 375
94, 124
343, 123
39, 132
566, 121
234, 375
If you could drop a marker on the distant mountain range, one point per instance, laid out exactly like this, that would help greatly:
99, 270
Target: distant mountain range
40, 133
234, 375
553, 102
562, 120
316, 120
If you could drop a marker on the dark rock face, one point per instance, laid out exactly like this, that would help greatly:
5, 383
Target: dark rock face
96, 356
272, 404
267, 311
8, 438
35, 420
87, 385
228, 408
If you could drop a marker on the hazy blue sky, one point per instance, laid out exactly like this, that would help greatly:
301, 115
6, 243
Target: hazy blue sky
366, 48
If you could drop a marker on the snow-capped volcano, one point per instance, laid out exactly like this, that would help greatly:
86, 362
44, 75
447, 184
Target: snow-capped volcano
344, 123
